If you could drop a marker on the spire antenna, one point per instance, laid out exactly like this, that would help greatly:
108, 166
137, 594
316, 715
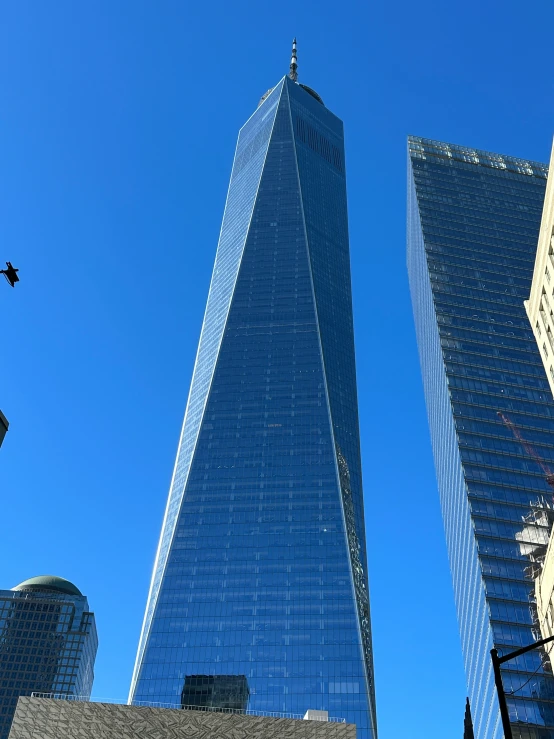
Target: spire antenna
293, 74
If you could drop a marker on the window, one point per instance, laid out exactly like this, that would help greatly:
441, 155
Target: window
538, 327
547, 273
543, 314
319, 143
544, 350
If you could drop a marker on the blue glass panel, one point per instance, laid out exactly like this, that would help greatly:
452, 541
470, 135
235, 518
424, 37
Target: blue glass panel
319, 147
245, 178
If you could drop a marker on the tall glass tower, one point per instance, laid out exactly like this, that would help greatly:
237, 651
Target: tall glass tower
261, 567
473, 224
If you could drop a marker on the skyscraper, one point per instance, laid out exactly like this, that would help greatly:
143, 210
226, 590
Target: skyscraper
473, 223
48, 643
261, 567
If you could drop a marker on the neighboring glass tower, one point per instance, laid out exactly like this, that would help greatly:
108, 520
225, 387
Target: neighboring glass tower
473, 223
261, 568
48, 643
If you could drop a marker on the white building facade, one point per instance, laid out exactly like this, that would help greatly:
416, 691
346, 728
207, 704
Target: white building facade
540, 306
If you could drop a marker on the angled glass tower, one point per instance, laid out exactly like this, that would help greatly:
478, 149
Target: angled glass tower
261, 567
473, 224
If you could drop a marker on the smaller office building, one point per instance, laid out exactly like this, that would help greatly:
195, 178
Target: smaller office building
47, 718
48, 643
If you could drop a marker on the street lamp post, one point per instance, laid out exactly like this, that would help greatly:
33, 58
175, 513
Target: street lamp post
496, 662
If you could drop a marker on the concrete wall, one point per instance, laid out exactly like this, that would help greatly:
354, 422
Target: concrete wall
44, 718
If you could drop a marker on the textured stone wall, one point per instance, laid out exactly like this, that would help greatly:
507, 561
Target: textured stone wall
43, 718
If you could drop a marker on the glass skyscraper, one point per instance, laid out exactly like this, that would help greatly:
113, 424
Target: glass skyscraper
261, 567
473, 224
48, 643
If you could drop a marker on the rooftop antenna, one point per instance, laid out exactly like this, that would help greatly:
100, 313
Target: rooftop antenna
293, 74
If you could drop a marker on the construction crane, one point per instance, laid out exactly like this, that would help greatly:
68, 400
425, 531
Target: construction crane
529, 448
541, 512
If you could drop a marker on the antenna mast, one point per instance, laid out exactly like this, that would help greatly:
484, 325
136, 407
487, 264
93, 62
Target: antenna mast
293, 74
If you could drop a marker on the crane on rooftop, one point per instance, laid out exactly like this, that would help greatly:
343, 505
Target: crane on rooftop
529, 448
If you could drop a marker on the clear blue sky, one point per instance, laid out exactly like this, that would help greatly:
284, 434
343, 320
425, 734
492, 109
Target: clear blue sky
117, 127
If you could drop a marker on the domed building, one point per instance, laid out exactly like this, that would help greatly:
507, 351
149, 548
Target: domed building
48, 642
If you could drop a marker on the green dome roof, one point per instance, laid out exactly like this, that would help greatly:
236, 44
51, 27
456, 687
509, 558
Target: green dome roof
49, 583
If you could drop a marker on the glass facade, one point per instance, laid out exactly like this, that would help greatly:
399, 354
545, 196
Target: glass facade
261, 568
473, 223
48, 644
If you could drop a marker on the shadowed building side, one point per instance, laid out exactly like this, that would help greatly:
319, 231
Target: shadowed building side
216, 691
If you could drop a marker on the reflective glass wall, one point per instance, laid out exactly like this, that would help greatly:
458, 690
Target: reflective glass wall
473, 222
262, 567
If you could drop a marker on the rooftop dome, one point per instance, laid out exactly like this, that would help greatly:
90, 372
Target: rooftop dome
49, 584
311, 92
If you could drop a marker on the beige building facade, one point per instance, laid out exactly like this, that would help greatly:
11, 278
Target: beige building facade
540, 306
544, 591
540, 310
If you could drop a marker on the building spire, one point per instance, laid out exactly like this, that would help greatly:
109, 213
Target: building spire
293, 74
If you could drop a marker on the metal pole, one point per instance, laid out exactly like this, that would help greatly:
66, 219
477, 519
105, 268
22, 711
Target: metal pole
496, 662
523, 650
504, 715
